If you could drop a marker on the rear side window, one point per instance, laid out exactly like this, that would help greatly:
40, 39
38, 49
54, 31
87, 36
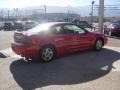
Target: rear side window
73, 29
57, 30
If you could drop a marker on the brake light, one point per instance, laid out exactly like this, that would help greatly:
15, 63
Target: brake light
19, 37
25, 40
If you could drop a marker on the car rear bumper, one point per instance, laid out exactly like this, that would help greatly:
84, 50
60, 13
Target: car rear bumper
28, 51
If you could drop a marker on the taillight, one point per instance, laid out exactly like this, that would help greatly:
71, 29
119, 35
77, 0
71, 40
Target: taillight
20, 37
25, 40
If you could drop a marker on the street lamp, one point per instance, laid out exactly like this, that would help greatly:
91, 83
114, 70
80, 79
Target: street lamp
45, 10
16, 12
92, 12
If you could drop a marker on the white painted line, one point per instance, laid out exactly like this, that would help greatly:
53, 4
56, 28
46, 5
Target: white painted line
9, 52
116, 64
113, 48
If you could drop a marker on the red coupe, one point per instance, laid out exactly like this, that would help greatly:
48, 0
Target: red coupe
48, 40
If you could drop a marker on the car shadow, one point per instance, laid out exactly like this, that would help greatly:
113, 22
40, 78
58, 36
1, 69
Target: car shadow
70, 69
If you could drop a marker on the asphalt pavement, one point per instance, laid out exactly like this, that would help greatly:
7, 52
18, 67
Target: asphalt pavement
88, 70
6, 38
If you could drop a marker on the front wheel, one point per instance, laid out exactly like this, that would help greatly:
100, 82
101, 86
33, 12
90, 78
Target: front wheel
98, 45
47, 53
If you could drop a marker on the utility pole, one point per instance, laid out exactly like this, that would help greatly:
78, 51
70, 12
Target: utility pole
101, 15
8, 14
68, 16
16, 13
92, 12
2, 14
45, 10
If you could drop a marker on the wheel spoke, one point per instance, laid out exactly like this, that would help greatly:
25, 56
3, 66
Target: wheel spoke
47, 54
99, 44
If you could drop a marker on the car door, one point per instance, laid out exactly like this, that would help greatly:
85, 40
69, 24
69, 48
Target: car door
60, 39
79, 39
84, 37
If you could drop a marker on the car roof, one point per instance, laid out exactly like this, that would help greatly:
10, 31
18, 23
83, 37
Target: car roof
46, 26
50, 24
55, 23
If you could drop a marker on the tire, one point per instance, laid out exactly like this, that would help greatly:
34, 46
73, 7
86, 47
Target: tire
98, 45
47, 53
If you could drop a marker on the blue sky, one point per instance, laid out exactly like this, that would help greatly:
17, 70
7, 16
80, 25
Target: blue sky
27, 3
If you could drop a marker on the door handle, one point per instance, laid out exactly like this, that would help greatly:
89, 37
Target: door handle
75, 38
59, 39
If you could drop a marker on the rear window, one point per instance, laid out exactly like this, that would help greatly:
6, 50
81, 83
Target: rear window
40, 27
117, 26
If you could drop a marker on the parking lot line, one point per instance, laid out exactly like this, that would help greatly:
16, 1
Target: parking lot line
8, 53
113, 48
